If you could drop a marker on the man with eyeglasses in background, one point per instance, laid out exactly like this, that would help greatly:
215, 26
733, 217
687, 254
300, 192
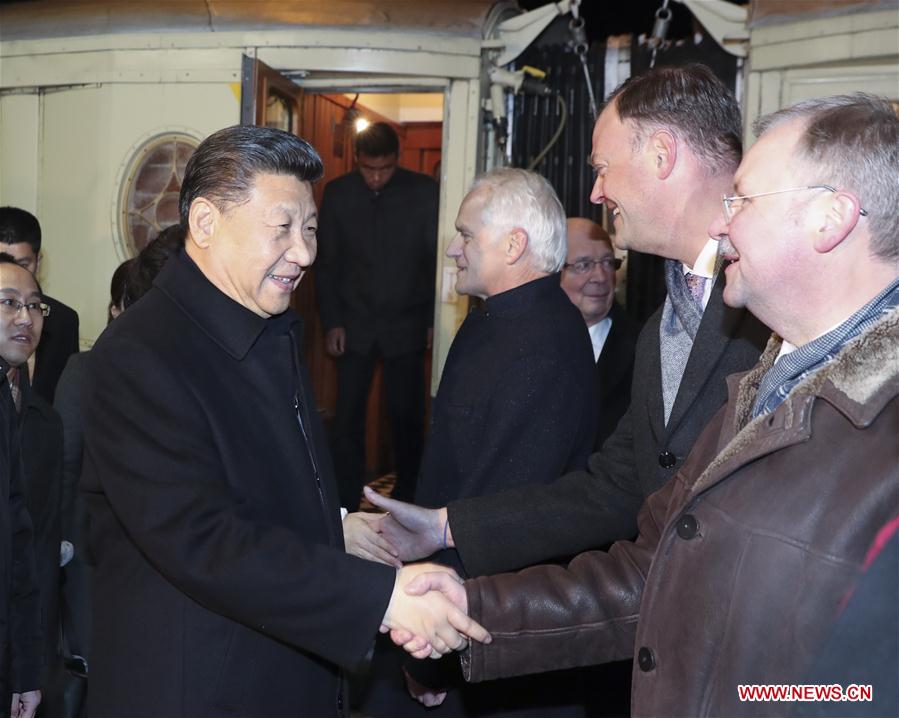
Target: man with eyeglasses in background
31, 485
20, 237
589, 279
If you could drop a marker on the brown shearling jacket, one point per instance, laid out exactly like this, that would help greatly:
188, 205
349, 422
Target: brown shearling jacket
743, 558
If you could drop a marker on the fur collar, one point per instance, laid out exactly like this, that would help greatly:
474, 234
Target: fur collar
859, 382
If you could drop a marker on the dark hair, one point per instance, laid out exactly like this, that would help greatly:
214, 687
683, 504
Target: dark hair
150, 262
7, 258
852, 142
118, 286
17, 225
691, 101
378, 140
225, 165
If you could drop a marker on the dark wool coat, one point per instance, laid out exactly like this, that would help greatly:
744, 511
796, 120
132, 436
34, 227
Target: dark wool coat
374, 275
516, 402
41, 440
516, 406
743, 559
588, 509
20, 610
222, 587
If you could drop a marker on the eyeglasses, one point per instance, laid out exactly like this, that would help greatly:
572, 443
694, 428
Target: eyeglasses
12, 307
732, 205
582, 266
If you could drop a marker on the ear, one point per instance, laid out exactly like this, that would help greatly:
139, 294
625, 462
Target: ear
202, 220
662, 149
516, 245
840, 217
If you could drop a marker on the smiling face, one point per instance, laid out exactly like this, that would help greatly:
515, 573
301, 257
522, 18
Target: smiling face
20, 331
257, 252
594, 291
477, 248
768, 241
623, 181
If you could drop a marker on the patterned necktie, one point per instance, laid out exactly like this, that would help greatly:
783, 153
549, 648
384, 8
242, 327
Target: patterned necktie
696, 285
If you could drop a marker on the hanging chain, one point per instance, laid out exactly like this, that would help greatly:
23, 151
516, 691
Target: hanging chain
659, 30
578, 30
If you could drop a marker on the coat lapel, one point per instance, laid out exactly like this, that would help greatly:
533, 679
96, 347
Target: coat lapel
719, 323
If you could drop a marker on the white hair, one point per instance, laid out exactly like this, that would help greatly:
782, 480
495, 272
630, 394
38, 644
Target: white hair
521, 198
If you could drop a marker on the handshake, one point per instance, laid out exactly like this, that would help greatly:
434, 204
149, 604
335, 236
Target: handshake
428, 610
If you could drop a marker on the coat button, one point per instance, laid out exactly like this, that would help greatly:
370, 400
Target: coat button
646, 659
667, 459
687, 527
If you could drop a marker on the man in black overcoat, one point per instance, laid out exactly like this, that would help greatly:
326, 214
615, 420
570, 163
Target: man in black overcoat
21, 644
515, 405
374, 281
20, 237
222, 587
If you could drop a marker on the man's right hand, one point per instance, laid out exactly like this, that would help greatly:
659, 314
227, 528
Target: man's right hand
428, 623
335, 341
414, 531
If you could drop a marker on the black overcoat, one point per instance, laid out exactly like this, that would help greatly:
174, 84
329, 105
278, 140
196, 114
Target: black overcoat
221, 587
516, 406
516, 402
588, 509
20, 611
374, 275
42, 446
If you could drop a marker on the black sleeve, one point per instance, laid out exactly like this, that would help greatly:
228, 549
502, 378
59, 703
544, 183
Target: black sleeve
165, 487
25, 606
580, 511
67, 403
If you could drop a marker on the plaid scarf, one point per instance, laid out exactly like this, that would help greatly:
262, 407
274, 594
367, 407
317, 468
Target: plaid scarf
792, 368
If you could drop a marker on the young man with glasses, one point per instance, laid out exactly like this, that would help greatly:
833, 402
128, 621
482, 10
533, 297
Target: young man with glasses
20, 237
30, 469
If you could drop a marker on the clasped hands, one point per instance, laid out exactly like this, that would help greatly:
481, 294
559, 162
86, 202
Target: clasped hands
428, 611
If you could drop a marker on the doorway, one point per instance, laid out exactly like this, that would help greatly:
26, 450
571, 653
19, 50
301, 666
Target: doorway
328, 121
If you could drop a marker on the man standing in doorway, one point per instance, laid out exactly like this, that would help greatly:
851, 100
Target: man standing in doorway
375, 287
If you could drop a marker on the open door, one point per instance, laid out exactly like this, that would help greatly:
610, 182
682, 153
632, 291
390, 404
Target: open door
269, 99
